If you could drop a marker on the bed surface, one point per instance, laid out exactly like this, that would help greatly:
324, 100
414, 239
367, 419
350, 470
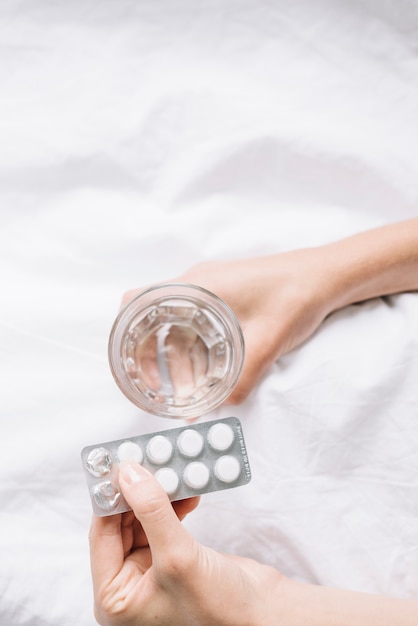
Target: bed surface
137, 138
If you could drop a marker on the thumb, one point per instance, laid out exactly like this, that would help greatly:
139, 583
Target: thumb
259, 357
152, 508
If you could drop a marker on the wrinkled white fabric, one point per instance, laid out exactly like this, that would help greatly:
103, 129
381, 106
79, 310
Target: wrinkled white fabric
139, 137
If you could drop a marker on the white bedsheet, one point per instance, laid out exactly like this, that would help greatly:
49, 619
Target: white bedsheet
138, 137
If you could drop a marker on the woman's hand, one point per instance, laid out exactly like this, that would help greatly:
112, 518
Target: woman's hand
148, 570
279, 300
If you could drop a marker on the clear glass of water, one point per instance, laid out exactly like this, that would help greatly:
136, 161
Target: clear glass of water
176, 350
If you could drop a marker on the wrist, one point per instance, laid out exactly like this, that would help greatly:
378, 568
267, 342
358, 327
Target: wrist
374, 263
299, 604
271, 608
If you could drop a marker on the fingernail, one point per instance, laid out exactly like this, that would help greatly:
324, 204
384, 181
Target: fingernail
132, 472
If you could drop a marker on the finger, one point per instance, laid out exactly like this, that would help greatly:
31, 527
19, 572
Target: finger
152, 508
184, 507
133, 293
259, 356
106, 548
129, 531
128, 296
181, 508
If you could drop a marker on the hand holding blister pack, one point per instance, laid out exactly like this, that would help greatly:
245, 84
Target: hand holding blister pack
176, 350
186, 461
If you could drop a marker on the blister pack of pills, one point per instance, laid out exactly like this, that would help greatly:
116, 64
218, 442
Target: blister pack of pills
187, 461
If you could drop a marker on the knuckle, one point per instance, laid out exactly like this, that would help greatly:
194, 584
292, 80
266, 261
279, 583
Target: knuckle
178, 565
153, 507
110, 609
128, 296
199, 271
238, 396
113, 604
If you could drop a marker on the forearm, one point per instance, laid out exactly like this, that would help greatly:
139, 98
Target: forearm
378, 262
300, 604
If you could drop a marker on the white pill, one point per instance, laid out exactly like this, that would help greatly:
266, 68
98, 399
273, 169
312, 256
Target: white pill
159, 449
227, 468
190, 442
220, 436
130, 451
196, 475
168, 480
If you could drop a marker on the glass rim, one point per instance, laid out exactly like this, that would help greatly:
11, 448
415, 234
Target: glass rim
156, 294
